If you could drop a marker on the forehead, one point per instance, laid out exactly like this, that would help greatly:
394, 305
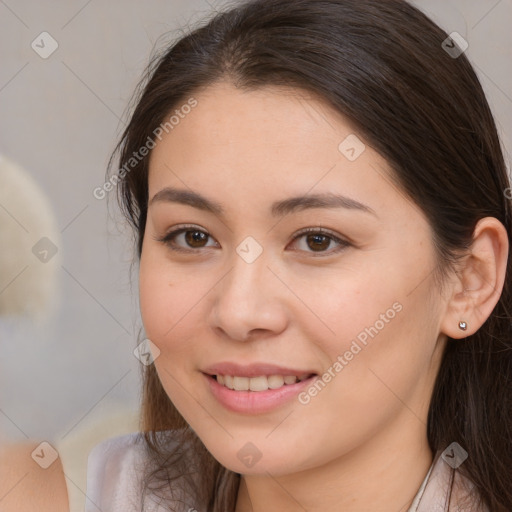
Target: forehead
224, 111
267, 143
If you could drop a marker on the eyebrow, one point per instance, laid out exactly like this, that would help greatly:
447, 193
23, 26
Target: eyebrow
278, 208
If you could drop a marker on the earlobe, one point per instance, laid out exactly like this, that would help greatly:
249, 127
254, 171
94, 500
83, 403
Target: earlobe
480, 280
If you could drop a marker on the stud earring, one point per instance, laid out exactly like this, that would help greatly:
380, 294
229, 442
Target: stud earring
463, 325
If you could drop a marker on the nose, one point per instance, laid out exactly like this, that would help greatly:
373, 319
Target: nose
249, 300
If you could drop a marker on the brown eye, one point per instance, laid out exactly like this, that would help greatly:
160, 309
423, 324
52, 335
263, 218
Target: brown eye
195, 238
318, 240
192, 238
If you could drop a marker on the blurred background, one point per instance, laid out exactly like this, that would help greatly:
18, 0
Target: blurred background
68, 298
68, 69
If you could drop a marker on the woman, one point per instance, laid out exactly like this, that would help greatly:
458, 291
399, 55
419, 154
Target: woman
322, 217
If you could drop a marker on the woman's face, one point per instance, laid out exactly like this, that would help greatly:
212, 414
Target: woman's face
356, 305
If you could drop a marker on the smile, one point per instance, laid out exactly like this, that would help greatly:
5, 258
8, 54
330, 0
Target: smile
256, 395
261, 383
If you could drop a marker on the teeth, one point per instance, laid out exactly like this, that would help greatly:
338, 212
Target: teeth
262, 383
241, 383
275, 381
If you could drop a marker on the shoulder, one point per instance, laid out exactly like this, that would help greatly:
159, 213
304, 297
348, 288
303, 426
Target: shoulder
446, 489
117, 450
112, 472
114, 449
115, 471
116, 453
26, 485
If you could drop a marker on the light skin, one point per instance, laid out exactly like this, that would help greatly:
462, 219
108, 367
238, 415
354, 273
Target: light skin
361, 443
27, 487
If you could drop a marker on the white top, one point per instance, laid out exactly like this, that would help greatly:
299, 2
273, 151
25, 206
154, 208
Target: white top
114, 476
116, 467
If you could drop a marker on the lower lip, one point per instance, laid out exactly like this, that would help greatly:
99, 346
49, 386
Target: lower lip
256, 402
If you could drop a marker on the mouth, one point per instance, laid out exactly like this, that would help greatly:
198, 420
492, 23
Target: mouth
259, 383
259, 394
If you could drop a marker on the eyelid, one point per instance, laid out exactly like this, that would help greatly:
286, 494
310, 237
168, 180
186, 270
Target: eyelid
323, 231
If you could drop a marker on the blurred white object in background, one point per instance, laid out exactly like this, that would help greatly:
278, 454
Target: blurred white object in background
30, 247
30, 257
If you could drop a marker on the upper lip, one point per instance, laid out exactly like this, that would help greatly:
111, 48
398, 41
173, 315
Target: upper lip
254, 370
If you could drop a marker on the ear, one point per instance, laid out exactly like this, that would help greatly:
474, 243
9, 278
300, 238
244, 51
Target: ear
479, 282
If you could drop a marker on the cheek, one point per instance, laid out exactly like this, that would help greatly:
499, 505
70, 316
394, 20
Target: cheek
373, 325
162, 300
368, 385
164, 305
350, 304
172, 307
154, 301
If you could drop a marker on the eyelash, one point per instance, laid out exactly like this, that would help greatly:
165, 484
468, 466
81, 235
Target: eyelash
168, 238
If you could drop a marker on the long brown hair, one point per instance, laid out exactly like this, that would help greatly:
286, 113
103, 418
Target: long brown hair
381, 65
